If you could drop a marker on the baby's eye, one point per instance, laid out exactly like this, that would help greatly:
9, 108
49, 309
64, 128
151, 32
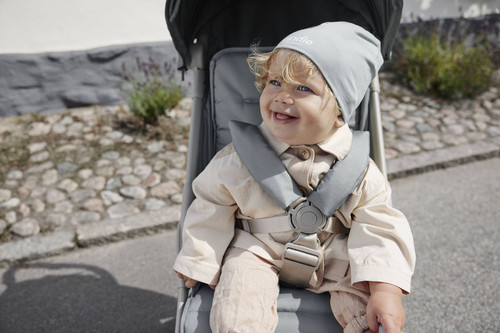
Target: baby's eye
304, 88
275, 83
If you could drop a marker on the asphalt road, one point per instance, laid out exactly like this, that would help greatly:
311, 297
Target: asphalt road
129, 286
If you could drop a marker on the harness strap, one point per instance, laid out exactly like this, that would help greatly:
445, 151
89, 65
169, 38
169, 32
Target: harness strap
281, 223
303, 256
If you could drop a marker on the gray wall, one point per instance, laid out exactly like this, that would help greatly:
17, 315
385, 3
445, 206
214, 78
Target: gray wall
52, 82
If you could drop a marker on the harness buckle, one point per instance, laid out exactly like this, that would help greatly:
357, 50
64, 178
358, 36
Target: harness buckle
302, 255
306, 218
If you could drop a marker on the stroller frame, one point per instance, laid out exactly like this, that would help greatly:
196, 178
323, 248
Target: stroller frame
196, 50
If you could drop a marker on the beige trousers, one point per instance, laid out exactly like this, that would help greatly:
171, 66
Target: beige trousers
245, 298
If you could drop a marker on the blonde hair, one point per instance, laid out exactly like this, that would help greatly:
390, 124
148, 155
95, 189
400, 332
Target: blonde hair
294, 63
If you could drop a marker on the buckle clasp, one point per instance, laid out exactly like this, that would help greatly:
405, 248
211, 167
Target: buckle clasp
306, 218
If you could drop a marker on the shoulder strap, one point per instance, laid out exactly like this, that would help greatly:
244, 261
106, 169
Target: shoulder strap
268, 170
263, 163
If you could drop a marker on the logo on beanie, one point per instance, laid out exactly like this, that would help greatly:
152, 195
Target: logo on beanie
300, 39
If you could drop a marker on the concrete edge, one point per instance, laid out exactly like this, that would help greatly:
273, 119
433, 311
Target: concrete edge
142, 223
441, 158
97, 233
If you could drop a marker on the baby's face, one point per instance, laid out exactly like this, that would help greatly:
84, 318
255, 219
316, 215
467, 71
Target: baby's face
298, 114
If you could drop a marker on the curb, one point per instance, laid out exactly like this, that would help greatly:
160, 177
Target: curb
97, 233
150, 222
442, 158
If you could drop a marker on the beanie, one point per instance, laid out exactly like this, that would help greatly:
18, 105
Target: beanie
347, 55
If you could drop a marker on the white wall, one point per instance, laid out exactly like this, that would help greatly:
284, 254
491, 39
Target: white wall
35, 26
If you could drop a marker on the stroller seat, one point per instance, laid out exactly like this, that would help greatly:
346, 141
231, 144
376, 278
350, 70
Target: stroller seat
235, 97
212, 39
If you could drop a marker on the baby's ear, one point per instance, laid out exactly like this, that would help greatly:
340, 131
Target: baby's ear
339, 122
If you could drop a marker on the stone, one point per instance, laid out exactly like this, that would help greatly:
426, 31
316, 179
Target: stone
74, 130
3, 226
432, 145
82, 195
94, 204
38, 191
143, 171
176, 198
39, 128
113, 183
126, 170
49, 177
122, 162
68, 185
110, 197
407, 147
36, 147
96, 183
5, 194
14, 174
54, 195
122, 209
84, 217
114, 135
175, 159
175, 174
65, 168
24, 210
85, 173
38, 205
40, 167
10, 203
53, 221
40, 157
107, 171
153, 203
153, 180
164, 190
111, 155
156, 147
64, 207
26, 227
134, 192
11, 217
131, 180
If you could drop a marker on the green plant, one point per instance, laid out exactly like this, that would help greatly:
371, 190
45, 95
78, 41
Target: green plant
449, 69
150, 91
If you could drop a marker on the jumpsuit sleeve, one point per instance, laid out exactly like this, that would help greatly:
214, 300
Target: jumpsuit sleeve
380, 243
208, 226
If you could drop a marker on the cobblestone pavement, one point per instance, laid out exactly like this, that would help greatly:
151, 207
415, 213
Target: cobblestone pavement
83, 177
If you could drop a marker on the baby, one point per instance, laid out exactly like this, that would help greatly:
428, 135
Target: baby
311, 84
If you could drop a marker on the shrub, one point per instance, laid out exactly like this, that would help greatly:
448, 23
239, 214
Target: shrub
448, 69
150, 90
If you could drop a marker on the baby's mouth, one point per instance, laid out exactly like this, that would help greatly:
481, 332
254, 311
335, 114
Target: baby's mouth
282, 116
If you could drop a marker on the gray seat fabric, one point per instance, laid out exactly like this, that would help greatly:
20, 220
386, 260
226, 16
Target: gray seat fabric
233, 95
298, 311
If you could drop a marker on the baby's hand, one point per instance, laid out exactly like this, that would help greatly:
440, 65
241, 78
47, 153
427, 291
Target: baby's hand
188, 282
385, 307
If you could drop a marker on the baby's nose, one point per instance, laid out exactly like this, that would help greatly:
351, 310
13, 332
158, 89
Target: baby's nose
283, 97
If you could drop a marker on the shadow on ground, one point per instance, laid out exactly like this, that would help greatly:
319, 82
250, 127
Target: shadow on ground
79, 298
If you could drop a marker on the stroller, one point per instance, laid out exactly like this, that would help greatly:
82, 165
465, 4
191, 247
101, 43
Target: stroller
213, 39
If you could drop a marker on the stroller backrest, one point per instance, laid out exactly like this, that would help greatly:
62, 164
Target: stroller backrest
233, 95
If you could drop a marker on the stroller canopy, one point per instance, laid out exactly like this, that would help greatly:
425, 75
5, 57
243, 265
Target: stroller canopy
220, 24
